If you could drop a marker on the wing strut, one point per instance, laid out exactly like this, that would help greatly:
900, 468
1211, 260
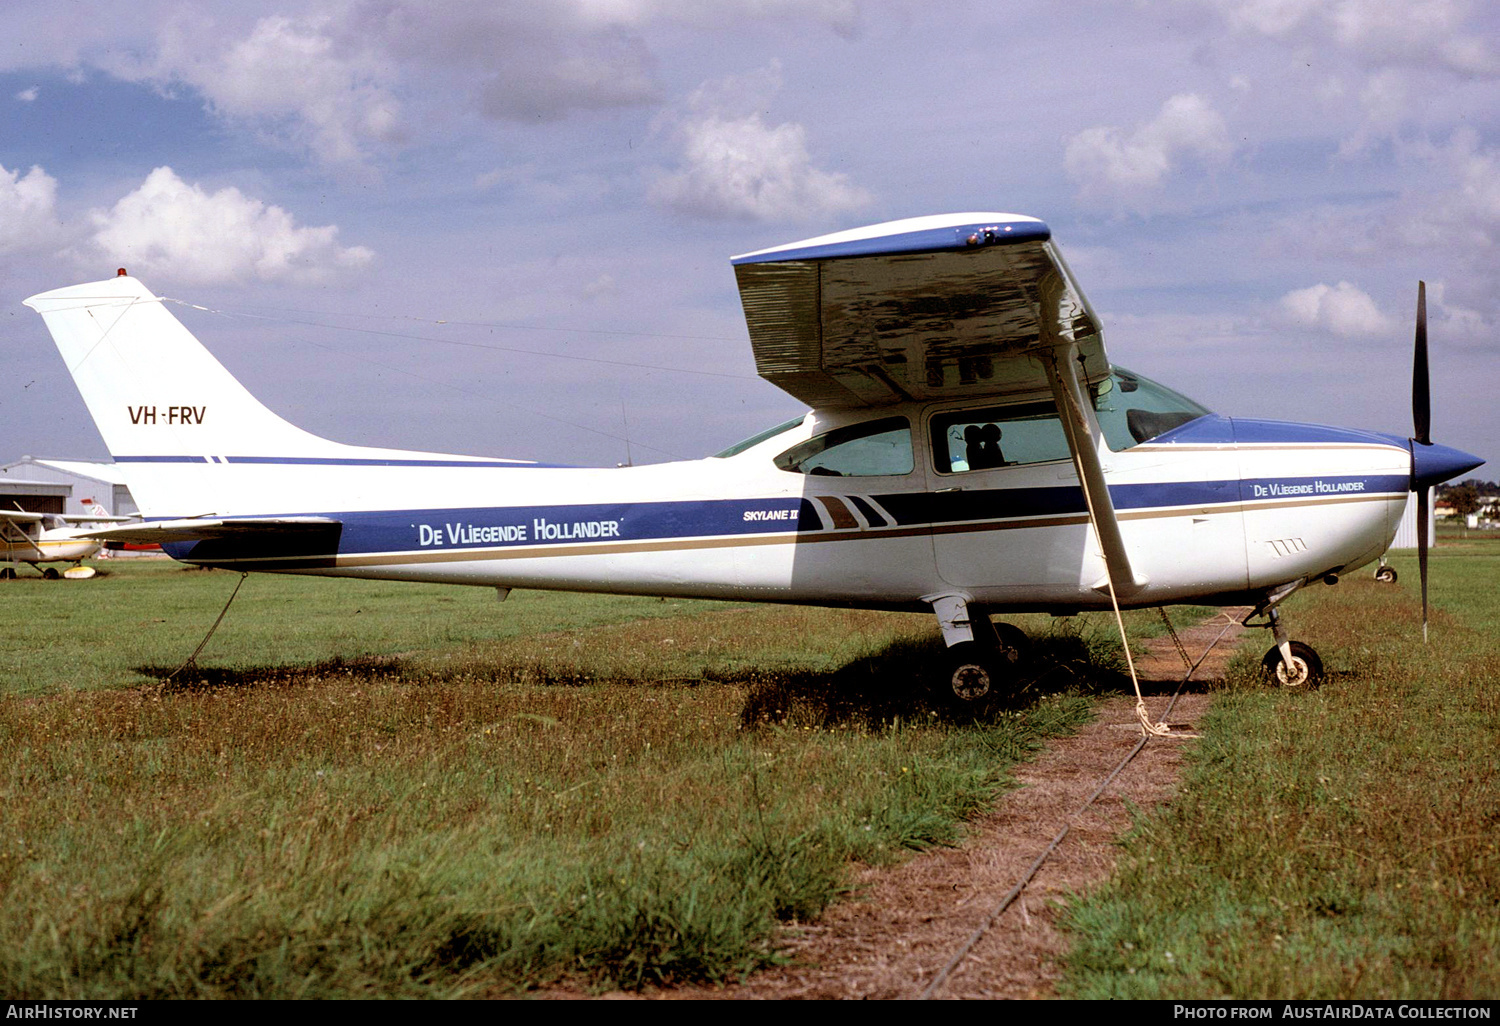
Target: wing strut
1062, 374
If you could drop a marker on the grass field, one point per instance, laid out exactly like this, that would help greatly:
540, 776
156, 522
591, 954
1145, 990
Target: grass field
378, 790
404, 790
1333, 844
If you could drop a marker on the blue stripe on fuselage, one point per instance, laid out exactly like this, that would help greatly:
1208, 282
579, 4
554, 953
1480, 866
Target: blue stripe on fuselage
450, 529
912, 509
447, 530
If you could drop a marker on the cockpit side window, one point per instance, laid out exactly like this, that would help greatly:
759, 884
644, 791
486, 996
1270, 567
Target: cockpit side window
877, 448
997, 436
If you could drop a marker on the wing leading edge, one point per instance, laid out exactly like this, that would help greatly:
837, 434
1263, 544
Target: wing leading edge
944, 307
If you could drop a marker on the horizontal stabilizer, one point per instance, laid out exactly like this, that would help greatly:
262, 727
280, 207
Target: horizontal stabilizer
94, 518
162, 532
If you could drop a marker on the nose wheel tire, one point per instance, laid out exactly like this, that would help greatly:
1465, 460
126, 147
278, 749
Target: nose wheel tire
1305, 671
1386, 575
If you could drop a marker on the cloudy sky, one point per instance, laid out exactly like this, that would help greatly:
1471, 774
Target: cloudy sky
504, 227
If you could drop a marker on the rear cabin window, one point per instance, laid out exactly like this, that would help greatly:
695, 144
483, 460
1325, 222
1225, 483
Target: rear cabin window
997, 436
877, 448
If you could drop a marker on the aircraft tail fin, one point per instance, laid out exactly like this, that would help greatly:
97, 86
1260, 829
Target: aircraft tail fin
189, 437
154, 391
172, 415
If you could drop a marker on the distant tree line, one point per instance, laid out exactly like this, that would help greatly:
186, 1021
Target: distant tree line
1471, 496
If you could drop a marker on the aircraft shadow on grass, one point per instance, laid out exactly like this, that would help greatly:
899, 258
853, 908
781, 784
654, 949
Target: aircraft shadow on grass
871, 691
191, 677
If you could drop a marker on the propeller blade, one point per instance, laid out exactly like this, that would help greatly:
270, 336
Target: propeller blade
1421, 392
1424, 500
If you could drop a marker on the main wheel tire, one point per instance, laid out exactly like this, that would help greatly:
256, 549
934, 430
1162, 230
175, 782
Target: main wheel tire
1386, 575
973, 673
7, 573
1306, 671
51, 573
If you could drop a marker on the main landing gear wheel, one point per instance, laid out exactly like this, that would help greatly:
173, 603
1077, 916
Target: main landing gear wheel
1305, 671
7, 573
974, 672
51, 573
1386, 575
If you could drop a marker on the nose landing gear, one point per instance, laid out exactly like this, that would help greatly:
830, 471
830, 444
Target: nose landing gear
1288, 663
1298, 668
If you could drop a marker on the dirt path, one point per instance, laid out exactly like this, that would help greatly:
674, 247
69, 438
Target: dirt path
909, 922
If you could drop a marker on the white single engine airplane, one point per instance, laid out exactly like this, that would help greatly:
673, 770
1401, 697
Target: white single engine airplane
970, 451
37, 538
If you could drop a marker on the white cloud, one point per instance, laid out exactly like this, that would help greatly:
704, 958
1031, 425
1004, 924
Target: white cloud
843, 16
29, 95
1109, 164
743, 168
1450, 213
604, 285
1450, 322
345, 80
1389, 66
1471, 210
516, 61
550, 81
1268, 17
28, 211
735, 165
297, 80
1342, 309
171, 227
1378, 33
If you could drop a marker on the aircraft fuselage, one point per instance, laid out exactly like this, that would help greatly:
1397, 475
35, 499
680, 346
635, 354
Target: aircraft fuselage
1216, 510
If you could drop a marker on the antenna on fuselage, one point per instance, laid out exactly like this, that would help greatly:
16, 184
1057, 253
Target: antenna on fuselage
625, 431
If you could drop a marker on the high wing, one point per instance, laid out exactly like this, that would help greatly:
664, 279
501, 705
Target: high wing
950, 306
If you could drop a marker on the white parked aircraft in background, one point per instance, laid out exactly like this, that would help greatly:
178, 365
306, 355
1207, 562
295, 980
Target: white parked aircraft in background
37, 538
970, 451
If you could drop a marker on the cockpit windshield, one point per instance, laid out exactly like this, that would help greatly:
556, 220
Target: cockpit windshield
1132, 409
754, 440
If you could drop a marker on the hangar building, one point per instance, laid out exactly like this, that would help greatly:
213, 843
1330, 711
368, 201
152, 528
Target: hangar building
64, 486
